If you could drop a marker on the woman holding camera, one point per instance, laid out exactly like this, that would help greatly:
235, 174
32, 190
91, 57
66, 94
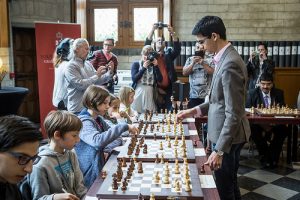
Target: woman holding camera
145, 75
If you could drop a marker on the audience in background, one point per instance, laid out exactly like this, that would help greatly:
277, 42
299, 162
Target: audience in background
80, 74
165, 63
57, 175
200, 69
96, 136
106, 58
19, 142
145, 76
266, 96
259, 63
61, 57
126, 95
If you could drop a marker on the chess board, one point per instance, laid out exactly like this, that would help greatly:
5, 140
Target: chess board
144, 183
162, 131
153, 147
160, 117
270, 112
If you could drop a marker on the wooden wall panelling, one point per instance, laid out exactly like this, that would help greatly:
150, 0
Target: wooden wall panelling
4, 30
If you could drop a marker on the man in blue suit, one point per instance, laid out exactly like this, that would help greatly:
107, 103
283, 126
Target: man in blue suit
267, 95
228, 127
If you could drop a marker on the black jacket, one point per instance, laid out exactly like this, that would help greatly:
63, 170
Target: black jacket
170, 55
255, 97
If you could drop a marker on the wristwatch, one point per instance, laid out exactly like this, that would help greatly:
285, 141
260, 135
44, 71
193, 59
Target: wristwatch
219, 153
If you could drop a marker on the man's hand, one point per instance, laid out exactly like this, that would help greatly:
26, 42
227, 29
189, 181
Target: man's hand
111, 65
214, 161
133, 129
184, 114
146, 64
101, 70
197, 59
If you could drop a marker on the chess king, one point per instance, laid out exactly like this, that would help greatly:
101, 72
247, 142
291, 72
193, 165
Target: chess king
267, 94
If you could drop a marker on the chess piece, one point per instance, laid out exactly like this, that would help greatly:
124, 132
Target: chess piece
166, 179
157, 178
162, 159
202, 169
140, 167
145, 150
169, 143
177, 170
140, 197
175, 153
124, 186
156, 158
124, 162
115, 184
103, 174
187, 186
177, 185
161, 146
176, 141
152, 197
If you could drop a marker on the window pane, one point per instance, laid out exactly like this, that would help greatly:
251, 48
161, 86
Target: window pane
144, 18
106, 23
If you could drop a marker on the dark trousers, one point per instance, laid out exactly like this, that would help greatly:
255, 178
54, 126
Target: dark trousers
226, 176
270, 152
195, 102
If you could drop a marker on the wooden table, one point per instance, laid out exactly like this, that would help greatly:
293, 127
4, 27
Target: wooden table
208, 193
292, 143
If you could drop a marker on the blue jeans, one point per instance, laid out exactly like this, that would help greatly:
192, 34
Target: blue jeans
226, 176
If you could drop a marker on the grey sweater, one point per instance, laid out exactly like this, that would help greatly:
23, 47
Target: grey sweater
79, 75
54, 172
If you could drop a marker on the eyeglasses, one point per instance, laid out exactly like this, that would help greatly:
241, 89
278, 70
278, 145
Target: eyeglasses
203, 40
24, 159
108, 45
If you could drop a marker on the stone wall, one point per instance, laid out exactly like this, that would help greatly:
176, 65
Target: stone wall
244, 19
25, 12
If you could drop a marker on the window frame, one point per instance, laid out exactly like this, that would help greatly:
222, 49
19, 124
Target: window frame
125, 13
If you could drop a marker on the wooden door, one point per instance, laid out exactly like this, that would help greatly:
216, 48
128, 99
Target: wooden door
26, 70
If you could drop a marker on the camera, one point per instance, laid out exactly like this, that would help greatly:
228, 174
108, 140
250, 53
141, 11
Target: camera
152, 55
200, 53
161, 25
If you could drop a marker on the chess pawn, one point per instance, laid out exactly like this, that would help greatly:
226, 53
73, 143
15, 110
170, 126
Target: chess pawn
145, 150
162, 159
156, 158
177, 171
175, 153
187, 186
163, 129
169, 143
184, 153
140, 167
161, 146
177, 185
166, 180
124, 162
176, 141
157, 178
124, 186
103, 174
152, 197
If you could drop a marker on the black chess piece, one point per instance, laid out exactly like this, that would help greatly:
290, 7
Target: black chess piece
202, 169
140, 197
115, 184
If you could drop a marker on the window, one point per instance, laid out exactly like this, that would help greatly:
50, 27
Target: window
127, 21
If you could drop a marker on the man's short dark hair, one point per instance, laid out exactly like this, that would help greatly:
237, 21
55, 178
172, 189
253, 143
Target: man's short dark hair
208, 25
263, 44
110, 39
266, 77
16, 130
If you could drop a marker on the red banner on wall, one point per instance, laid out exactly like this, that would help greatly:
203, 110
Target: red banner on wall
48, 35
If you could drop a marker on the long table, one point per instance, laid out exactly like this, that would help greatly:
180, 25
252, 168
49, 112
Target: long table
292, 122
209, 193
